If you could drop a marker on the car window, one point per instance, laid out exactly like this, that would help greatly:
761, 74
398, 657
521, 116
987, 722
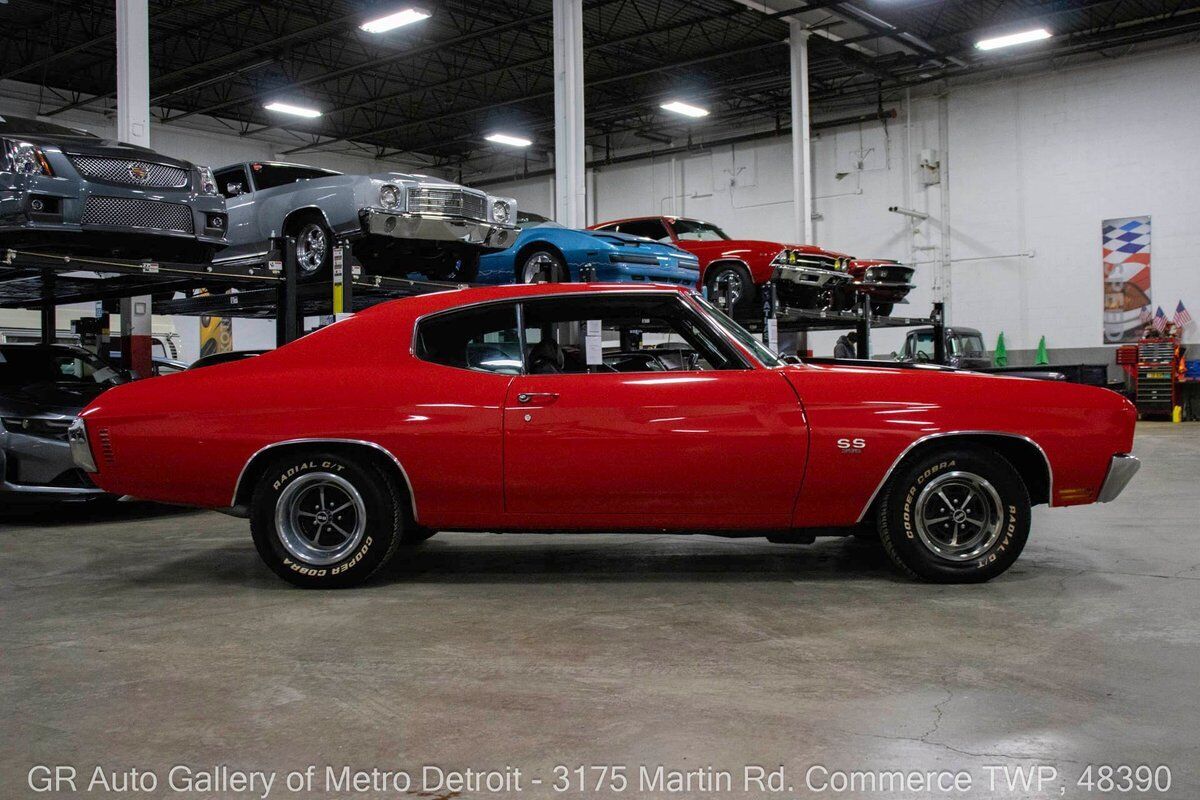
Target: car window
743, 336
483, 339
621, 333
24, 366
920, 344
967, 345
649, 228
232, 181
691, 230
268, 176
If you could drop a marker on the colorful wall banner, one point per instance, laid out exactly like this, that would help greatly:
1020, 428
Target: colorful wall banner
1126, 249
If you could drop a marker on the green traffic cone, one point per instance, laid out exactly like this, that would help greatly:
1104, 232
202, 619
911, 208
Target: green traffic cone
1043, 358
1000, 357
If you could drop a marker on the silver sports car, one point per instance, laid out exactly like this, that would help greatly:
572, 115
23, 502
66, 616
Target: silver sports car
63, 189
398, 223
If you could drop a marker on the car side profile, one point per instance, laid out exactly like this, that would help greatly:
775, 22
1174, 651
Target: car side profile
395, 221
547, 251
600, 407
66, 190
735, 270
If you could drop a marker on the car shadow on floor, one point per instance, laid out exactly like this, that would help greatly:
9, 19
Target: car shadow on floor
55, 515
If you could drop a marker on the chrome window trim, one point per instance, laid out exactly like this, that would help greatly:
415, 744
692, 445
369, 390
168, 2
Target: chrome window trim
412, 497
1049, 469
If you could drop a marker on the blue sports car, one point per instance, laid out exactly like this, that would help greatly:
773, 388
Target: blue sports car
545, 250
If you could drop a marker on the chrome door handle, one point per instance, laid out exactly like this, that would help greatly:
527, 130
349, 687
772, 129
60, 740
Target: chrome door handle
536, 397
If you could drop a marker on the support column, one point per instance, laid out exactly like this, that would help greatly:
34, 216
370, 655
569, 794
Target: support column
570, 175
133, 126
801, 133
49, 318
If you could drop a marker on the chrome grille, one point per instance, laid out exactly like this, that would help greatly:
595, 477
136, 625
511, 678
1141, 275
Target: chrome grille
128, 212
451, 202
797, 258
129, 172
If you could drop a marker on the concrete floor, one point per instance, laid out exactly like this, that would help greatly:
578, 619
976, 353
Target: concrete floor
151, 638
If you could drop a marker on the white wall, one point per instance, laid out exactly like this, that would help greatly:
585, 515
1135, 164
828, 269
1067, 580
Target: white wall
1035, 164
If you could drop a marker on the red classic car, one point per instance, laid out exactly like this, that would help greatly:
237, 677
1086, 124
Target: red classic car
599, 407
805, 276
883, 281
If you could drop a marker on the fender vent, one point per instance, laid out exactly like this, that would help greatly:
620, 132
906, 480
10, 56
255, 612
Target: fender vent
106, 448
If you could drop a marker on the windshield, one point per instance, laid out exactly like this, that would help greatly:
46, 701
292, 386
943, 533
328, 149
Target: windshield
23, 366
691, 230
20, 126
526, 219
268, 176
743, 336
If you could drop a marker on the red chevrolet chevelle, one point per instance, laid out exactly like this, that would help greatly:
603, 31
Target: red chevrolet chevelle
577, 407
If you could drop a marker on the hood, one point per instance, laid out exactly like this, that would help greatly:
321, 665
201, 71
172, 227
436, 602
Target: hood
107, 148
67, 398
426, 180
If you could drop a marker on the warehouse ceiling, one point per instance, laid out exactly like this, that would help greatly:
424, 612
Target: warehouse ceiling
431, 91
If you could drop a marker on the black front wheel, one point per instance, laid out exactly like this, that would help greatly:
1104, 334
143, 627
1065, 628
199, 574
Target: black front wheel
730, 288
882, 309
955, 516
323, 521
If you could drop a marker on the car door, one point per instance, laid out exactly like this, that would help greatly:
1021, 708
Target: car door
720, 443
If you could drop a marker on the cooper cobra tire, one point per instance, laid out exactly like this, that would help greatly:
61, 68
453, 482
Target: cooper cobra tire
321, 520
954, 516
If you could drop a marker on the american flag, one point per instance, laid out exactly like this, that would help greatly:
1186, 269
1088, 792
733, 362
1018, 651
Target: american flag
1146, 315
1160, 320
1182, 317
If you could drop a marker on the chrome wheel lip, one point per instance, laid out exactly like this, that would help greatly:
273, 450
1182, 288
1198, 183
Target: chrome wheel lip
958, 516
311, 246
298, 518
535, 265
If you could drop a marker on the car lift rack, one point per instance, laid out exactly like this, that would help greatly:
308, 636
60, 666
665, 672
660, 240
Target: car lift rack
270, 289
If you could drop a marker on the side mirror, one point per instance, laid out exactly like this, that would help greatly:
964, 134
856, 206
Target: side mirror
792, 360
895, 356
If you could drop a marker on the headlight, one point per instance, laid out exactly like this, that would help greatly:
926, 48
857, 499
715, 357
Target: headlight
25, 159
501, 212
81, 451
208, 184
37, 426
389, 196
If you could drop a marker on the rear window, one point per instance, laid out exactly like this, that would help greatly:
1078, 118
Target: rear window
268, 176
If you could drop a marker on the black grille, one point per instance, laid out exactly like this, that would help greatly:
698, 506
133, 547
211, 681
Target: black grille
128, 172
451, 202
127, 212
888, 274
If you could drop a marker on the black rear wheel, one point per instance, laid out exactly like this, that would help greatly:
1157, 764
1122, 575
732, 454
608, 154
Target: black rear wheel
955, 516
541, 265
321, 520
314, 247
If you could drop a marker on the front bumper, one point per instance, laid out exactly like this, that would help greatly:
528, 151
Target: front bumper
1120, 473
812, 277
37, 468
488, 235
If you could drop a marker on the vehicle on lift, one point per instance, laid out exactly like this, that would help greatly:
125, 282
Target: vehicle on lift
64, 190
735, 270
882, 281
398, 223
547, 251
43, 387
964, 348
492, 396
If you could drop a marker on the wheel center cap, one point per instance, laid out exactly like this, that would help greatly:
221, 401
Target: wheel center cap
322, 517
959, 517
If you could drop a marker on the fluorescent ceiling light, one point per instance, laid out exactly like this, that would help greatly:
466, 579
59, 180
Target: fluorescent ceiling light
397, 20
1013, 38
685, 109
288, 108
504, 138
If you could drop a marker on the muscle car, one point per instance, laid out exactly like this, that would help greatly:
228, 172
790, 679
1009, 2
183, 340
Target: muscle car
65, 190
525, 408
882, 281
734, 271
397, 223
546, 251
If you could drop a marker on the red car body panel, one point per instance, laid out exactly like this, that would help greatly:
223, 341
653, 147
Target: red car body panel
753, 449
756, 254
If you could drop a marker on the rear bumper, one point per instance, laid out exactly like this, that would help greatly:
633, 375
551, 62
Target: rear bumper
627, 272
1120, 473
376, 222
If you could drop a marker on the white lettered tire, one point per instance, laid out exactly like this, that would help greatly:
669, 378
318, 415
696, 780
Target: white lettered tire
322, 520
955, 516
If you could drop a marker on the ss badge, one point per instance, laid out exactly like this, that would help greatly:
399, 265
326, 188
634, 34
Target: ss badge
852, 445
